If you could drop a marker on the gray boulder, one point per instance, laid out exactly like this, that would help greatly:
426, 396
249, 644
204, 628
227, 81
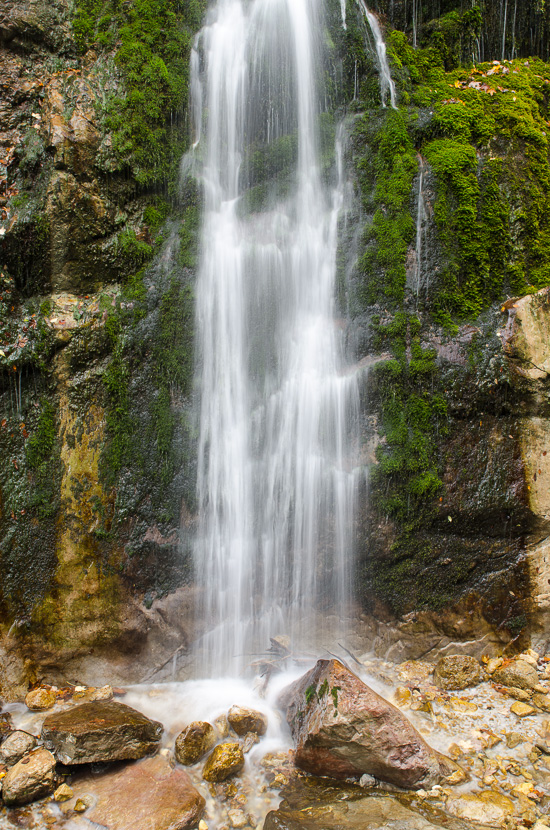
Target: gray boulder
100, 731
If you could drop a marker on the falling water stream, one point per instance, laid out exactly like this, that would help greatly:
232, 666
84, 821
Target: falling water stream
278, 409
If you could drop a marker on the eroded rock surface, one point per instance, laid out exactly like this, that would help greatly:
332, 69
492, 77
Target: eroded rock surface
342, 728
100, 731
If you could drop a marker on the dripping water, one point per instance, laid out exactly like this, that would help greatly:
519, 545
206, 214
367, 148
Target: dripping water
387, 85
421, 219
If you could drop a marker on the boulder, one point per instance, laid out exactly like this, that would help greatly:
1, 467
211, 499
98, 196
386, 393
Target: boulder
226, 760
457, 671
516, 673
146, 794
315, 804
41, 699
16, 746
342, 728
100, 731
31, 778
244, 721
194, 742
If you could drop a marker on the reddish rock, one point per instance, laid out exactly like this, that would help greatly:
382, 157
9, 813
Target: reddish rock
147, 795
342, 728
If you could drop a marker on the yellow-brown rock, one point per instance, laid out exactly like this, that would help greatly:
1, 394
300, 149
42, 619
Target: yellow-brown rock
41, 699
194, 742
226, 760
244, 721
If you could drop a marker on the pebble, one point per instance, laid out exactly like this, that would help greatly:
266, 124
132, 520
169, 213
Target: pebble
237, 819
63, 793
203, 825
522, 710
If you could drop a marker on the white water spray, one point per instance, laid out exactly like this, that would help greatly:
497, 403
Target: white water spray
387, 85
276, 486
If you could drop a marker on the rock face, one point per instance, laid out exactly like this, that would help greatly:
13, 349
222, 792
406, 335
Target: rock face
226, 760
148, 794
16, 746
342, 728
244, 721
31, 778
457, 671
194, 742
518, 674
100, 731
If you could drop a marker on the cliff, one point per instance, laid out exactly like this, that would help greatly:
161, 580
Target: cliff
445, 263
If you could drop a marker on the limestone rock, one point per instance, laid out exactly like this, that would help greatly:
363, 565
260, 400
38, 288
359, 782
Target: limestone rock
194, 742
100, 731
146, 794
16, 746
31, 778
342, 728
247, 720
486, 808
457, 671
226, 760
41, 699
517, 673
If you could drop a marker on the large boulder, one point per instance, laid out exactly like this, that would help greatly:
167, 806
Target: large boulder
16, 746
342, 728
517, 673
457, 671
100, 731
31, 778
147, 794
194, 742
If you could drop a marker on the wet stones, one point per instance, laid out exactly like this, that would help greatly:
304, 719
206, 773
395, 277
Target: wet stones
457, 671
342, 728
41, 699
517, 673
100, 731
16, 746
226, 760
244, 721
194, 742
30, 778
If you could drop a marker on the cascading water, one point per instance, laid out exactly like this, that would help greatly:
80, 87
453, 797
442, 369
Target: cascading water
275, 484
387, 85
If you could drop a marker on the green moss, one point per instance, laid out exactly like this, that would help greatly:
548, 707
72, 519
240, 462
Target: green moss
153, 39
40, 445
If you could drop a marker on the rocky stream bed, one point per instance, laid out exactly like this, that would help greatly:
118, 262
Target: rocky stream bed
465, 744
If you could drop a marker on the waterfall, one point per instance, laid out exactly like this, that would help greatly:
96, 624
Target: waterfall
343, 10
386, 82
421, 220
278, 409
